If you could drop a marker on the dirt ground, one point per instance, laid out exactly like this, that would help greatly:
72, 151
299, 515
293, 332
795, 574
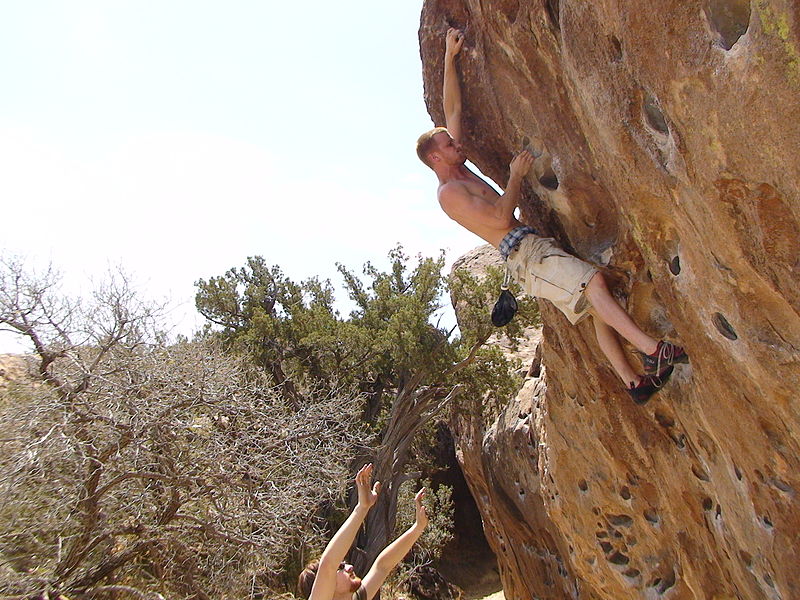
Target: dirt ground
485, 593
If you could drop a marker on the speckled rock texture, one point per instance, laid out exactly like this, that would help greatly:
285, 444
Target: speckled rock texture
669, 135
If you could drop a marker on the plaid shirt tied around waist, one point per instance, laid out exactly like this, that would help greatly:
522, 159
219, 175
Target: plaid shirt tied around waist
513, 238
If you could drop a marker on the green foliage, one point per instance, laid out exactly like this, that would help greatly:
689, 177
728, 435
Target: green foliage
396, 309
474, 296
293, 331
488, 381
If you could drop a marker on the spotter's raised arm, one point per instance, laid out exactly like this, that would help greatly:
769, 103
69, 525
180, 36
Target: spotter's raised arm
331, 578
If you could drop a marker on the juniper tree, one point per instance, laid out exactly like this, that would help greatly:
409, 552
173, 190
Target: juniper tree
389, 354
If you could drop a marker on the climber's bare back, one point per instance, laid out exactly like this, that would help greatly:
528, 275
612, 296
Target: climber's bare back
469, 201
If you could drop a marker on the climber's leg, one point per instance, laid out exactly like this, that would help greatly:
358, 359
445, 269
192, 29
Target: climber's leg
639, 387
611, 313
609, 343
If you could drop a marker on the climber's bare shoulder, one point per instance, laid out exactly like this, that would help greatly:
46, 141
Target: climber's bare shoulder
472, 206
458, 200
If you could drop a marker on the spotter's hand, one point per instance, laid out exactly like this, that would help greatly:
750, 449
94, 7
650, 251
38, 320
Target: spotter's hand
422, 512
366, 496
453, 41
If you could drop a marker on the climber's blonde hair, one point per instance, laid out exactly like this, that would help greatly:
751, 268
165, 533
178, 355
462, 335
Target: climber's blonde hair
425, 144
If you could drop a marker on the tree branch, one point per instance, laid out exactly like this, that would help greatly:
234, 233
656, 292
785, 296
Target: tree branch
113, 589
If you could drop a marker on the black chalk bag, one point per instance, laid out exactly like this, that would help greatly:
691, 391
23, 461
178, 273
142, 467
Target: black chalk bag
506, 306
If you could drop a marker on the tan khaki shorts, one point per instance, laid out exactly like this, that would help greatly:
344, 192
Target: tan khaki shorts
544, 270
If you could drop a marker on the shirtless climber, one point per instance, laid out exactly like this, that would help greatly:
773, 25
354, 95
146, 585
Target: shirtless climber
330, 578
537, 264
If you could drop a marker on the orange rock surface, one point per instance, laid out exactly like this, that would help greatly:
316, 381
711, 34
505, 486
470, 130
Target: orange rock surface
669, 133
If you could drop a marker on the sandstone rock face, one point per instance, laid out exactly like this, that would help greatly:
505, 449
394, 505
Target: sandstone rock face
668, 134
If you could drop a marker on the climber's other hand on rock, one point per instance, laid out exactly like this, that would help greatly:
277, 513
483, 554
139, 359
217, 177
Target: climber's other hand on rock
453, 41
521, 164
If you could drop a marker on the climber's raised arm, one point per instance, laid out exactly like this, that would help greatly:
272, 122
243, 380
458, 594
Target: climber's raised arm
396, 551
451, 93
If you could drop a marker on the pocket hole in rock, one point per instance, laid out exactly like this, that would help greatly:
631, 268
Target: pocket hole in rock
664, 420
767, 521
606, 547
746, 557
675, 265
618, 558
708, 503
667, 582
729, 18
552, 7
620, 520
654, 117
625, 493
631, 573
725, 328
582, 485
737, 472
782, 486
616, 48
700, 473
651, 515
549, 180
768, 580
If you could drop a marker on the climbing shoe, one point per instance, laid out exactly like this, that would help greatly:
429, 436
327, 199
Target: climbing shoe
666, 355
649, 385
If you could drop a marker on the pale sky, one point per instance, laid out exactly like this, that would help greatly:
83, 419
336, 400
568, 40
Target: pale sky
176, 138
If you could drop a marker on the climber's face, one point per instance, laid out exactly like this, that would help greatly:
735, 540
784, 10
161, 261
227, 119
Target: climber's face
448, 150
